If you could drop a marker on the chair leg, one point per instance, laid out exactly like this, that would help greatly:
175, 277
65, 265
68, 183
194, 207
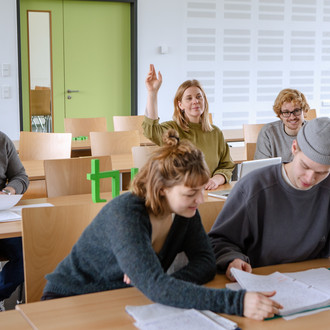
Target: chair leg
20, 294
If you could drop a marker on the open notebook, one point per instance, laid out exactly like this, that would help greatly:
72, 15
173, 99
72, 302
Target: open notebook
245, 168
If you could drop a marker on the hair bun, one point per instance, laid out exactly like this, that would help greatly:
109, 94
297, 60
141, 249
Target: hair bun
171, 138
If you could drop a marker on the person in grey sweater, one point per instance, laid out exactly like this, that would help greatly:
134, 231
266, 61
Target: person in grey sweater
280, 213
13, 180
137, 235
275, 138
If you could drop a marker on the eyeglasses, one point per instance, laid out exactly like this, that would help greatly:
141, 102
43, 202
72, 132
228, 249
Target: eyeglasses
295, 112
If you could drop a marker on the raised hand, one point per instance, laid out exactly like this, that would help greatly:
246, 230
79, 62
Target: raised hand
153, 82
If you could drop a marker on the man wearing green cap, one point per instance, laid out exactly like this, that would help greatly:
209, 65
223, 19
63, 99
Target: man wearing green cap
280, 213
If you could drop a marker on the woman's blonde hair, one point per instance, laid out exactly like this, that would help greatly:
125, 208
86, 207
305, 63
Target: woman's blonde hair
175, 162
178, 115
291, 96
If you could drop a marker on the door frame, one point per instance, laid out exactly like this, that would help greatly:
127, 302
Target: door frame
134, 78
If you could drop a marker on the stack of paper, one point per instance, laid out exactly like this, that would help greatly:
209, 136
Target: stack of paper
6, 202
14, 213
160, 317
296, 292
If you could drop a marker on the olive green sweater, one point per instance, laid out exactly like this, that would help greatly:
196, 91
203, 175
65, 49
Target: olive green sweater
212, 144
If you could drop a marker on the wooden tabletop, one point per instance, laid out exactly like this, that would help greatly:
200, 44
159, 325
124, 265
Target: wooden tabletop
13, 320
77, 145
107, 309
14, 229
35, 168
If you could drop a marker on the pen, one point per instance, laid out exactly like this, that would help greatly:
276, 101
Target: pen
6, 191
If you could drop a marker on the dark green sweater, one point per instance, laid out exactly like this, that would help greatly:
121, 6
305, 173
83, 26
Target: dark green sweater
118, 241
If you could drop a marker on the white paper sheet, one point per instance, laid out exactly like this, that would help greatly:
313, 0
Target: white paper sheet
19, 208
158, 316
187, 320
6, 215
294, 295
8, 201
15, 213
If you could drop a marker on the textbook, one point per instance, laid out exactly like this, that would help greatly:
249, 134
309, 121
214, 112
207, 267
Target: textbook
296, 292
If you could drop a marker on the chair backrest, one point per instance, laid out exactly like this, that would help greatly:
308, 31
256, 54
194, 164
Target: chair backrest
41, 88
36, 145
130, 123
251, 132
111, 143
49, 234
141, 154
40, 104
69, 176
83, 126
311, 114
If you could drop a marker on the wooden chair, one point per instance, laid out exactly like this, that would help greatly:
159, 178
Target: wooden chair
48, 236
209, 212
41, 107
130, 123
311, 114
40, 102
69, 176
251, 132
110, 143
36, 145
83, 126
141, 154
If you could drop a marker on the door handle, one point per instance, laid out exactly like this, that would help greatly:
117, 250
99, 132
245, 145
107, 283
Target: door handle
72, 91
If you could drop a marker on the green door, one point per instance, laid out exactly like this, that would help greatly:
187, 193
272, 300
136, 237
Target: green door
91, 57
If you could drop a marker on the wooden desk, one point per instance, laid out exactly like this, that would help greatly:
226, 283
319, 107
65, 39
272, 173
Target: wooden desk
83, 148
107, 309
36, 173
14, 229
34, 169
13, 320
233, 135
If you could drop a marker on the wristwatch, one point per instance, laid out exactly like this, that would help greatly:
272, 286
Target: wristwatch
6, 191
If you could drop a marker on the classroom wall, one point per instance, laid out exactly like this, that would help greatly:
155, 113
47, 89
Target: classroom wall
243, 52
9, 104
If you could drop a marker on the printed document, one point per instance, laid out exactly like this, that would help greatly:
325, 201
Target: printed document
296, 292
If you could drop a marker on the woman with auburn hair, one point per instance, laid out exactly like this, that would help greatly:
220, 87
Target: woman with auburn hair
191, 121
136, 236
275, 138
